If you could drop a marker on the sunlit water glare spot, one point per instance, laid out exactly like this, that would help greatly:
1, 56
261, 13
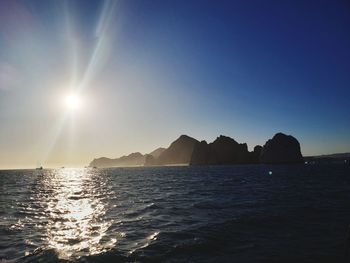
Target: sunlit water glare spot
75, 225
177, 214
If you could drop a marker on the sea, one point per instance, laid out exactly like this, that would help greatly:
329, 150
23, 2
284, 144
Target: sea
242, 213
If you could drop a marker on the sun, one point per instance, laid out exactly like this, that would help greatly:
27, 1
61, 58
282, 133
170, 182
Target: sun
73, 102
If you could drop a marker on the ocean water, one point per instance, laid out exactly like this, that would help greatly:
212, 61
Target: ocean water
297, 213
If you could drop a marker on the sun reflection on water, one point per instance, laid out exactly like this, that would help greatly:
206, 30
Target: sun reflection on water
75, 209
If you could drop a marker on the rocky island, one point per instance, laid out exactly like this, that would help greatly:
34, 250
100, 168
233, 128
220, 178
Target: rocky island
179, 152
222, 151
134, 159
281, 149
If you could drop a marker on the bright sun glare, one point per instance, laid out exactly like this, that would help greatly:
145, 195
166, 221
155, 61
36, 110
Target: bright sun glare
72, 102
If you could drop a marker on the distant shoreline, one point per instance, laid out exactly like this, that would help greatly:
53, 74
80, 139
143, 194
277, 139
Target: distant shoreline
339, 162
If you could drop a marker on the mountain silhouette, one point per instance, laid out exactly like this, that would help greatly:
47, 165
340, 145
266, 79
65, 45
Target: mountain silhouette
223, 150
281, 149
179, 152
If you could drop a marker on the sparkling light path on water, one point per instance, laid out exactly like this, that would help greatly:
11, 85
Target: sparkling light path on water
75, 210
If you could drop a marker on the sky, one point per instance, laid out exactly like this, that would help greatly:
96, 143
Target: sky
146, 72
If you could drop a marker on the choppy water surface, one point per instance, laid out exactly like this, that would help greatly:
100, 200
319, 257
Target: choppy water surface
172, 214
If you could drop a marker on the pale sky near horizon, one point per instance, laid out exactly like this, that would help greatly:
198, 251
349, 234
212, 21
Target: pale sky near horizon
146, 72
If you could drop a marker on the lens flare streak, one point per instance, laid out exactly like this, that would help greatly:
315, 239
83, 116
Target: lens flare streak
91, 69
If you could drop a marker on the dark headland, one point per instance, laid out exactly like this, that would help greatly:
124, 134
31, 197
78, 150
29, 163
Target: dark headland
281, 149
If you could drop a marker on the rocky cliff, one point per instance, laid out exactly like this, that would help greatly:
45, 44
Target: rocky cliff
179, 152
134, 159
224, 150
281, 149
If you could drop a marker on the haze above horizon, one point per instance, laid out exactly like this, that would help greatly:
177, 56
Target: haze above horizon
82, 79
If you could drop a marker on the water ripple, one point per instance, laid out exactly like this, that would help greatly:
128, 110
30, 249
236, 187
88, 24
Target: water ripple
202, 214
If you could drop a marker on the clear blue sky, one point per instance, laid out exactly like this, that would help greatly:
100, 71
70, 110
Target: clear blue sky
148, 71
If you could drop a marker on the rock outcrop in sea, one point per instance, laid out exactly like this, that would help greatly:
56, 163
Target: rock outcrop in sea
224, 150
151, 158
255, 155
179, 152
157, 152
281, 149
134, 159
